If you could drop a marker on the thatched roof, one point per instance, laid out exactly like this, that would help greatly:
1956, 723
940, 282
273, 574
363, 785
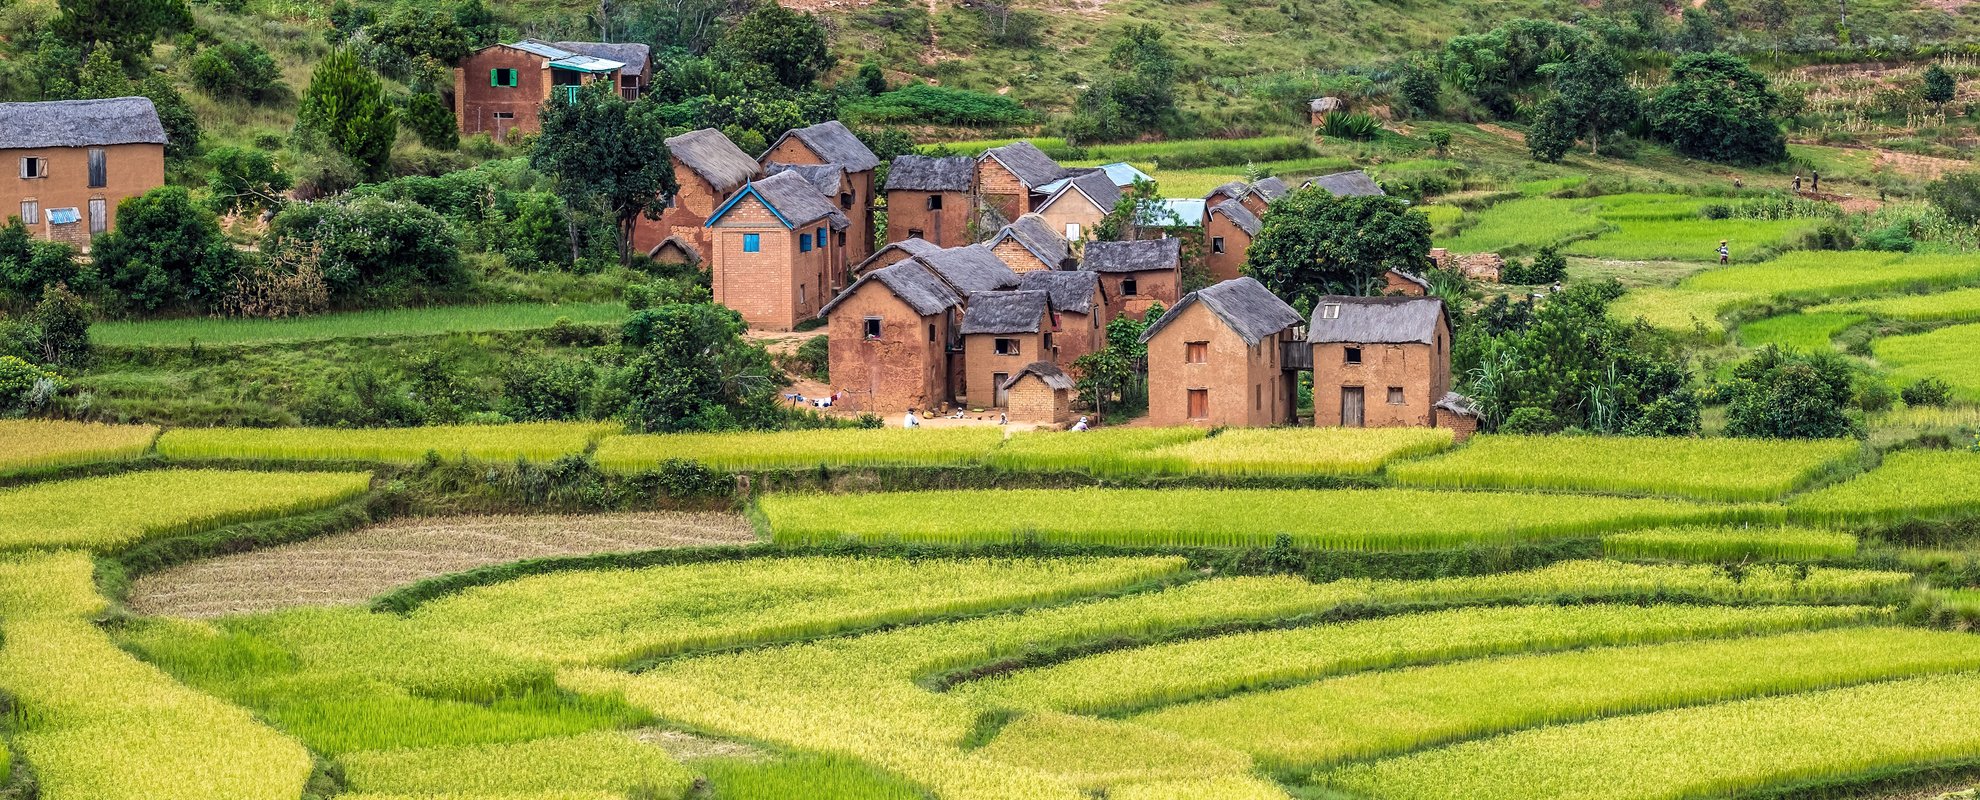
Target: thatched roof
1325, 105
1230, 189
1017, 311
1412, 278
970, 269
1244, 304
792, 198
1031, 166
634, 56
1094, 185
1354, 183
909, 281
1046, 371
1375, 320
833, 142
1036, 236
1068, 290
932, 174
1140, 255
1271, 188
712, 156
80, 123
1457, 404
1240, 216
826, 178
912, 246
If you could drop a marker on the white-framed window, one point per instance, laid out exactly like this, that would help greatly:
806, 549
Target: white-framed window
33, 167
31, 212
1072, 231
1330, 311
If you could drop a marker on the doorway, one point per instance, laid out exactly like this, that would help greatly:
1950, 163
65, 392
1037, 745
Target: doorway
1002, 395
1351, 407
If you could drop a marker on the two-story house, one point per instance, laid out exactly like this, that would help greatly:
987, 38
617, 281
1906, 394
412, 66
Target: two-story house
76, 160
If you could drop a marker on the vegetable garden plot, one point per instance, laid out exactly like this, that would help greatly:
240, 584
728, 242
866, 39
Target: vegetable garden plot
1715, 750
28, 445
1911, 484
1385, 713
803, 449
107, 513
1726, 543
535, 441
1356, 519
1704, 469
1949, 354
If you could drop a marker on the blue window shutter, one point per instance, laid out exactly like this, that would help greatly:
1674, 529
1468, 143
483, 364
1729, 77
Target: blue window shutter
804, 242
821, 236
752, 243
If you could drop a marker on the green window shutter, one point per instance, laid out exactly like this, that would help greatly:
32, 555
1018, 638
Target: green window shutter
494, 77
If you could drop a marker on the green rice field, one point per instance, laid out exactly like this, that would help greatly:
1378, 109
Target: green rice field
1808, 332
1950, 354
536, 441
1706, 469
393, 323
34, 445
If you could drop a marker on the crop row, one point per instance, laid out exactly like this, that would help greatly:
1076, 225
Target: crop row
1950, 354
1706, 469
106, 513
1727, 543
1386, 713
1802, 277
27, 446
1709, 751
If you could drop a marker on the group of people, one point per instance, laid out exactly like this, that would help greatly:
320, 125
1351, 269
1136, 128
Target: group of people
913, 419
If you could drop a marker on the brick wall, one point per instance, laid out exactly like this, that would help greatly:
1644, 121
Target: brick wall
907, 211
1032, 401
1397, 284
477, 102
1000, 189
1017, 258
1153, 286
779, 285
1462, 426
981, 364
1255, 202
1244, 383
901, 369
1423, 371
693, 204
129, 170
858, 209
1078, 334
1072, 208
1230, 263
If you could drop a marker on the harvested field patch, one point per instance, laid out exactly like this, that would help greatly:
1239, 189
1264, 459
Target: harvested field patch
350, 568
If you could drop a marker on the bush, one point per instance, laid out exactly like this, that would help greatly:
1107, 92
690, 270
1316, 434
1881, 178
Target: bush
29, 265
167, 252
1927, 392
243, 179
237, 69
371, 250
24, 386
431, 120
1872, 394
1357, 126
1958, 194
1781, 394
1894, 238
1530, 420
547, 389
814, 358
1549, 266
938, 105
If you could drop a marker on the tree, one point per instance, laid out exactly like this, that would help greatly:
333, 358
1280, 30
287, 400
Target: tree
1145, 89
1717, 108
1417, 86
1699, 32
237, 69
401, 37
1591, 98
1552, 134
58, 329
1957, 194
431, 120
127, 27
1500, 66
167, 252
1114, 370
607, 154
370, 250
792, 45
870, 80
244, 179
1779, 394
1313, 243
1939, 86
346, 108
688, 368
29, 266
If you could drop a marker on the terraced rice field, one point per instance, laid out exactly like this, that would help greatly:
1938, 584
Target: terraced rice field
1811, 277
34, 445
1949, 354
535, 441
110, 513
1706, 469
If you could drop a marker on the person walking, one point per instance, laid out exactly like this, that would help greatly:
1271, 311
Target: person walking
1738, 184
1815, 181
1797, 184
1725, 253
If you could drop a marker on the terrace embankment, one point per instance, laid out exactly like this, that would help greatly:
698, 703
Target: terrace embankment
350, 568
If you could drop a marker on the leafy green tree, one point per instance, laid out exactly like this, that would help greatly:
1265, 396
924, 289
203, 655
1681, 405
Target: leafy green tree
244, 179
1114, 370
1500, 67
57, 330
1417, 86
402, 36
167, 252
28, 265
237, 69
1698, 33
1147, 68
1313, 243
1780, 394
1591, 98
791, 44
127, 27
1939, 86
1717, 108
870, 81
477, 23
345, 108
371, 250
1552, 134
607, 154
431, 120
688, 368
1957, 194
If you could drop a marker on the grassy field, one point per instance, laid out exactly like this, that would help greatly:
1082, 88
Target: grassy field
1910, 484
110, 513
1808, 332
1727, 543
1958, 305
1706, 469
1799, 277
393, 323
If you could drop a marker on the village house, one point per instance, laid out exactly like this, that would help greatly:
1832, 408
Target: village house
1040, 393
891, 338
1227, 234
1379, 362
1233, 190
1008, 178
777, 257
1398, 282
1002, 331
1029, 243
1079, 204
1318, 108
831, 181
1136, 274
708, 169
522, 76
970, 269
1078, 312
1215, 359
893, 253
831, 142
932, 198
1353, 183
77, 159
1263, 193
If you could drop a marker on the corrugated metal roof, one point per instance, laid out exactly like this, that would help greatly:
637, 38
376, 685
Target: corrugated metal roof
1186, 211
1121, 173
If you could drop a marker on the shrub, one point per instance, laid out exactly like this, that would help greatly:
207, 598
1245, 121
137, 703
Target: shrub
372, 250
1356, 126
23, 384
1927, 392
431, 120
167, 252
243, 179
1780, 394
1529, 420
28, 265
239, 69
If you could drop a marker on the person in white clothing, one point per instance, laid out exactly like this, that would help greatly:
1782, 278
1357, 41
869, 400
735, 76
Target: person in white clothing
911, 421
1081, 424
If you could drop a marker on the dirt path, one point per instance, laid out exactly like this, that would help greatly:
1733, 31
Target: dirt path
1502, 131
350, 568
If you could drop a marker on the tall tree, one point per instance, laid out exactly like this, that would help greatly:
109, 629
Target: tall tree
790, 44
128, 27
1591, 99
607, 154
1778, 394
1145, 89
1313, 243
1717, 108
346, 108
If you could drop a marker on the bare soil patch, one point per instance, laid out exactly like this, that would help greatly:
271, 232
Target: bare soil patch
687, 746
1499, 130
1928, 168
350, 568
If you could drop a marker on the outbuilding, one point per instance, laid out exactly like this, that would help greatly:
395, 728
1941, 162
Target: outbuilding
1002, 331
1039, 393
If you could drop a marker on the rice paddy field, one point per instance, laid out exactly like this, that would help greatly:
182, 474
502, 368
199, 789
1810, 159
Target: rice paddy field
33, 445
1512, 617
393, 323
1823, 279
1950, 354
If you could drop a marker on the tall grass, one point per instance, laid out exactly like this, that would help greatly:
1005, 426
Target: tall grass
804, 449
1715, 750
1726, 543
1363, 519
536, 441
1705, 469
104, 514
1329, 722
1301, 451
591, 763
1912, 484
817, 777
1950, 354
388, 324
32, 445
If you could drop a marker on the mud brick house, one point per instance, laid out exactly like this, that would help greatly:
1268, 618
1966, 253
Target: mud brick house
75, 160
1040, 393
1263, 193
1078, 312
1227, 235
1353, 183
1398, 282
831, 143
500, 89
1029, 243
832, 181
1002, 331
969, 270
1234, 190
1009, 178
1216, 358
1076, 208
1120, 173
892, 336
777, 257
1379, 362
893, 253
932, 198
708, 169
1136, 274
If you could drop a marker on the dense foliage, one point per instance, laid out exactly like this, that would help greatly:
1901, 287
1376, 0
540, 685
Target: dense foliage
345, 109
1717, 108
167, 253
1783, 394
688, 368
607, 154
370, 250
1314, 243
